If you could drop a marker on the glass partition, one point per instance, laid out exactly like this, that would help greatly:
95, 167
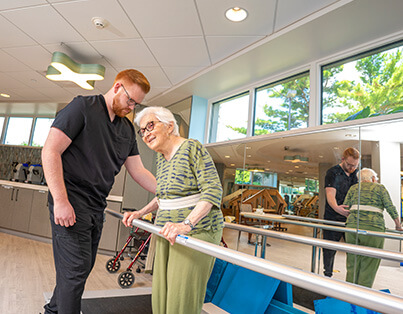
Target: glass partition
300, 163
376, 203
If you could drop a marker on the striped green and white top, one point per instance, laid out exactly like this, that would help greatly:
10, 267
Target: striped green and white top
190, 171
372, 194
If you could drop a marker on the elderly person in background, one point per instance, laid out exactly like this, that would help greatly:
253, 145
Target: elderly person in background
366, 202
188, 200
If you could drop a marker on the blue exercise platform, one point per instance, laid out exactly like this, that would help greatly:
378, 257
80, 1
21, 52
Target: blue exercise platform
239, 290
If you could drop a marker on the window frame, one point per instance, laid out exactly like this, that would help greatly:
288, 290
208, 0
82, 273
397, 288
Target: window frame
279, 82
32, 130
213, 116
346, 59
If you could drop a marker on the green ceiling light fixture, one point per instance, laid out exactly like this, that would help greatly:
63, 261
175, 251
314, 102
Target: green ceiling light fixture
63, 68
296, 158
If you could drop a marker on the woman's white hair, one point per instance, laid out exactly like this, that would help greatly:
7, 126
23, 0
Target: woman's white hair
162, 114
367, 174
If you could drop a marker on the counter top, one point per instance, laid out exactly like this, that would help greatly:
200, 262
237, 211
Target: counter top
37, 187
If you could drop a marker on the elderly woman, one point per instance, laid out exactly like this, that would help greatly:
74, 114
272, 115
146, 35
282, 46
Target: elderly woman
188, 200
367, 202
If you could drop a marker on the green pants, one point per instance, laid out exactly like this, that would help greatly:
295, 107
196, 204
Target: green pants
180, 276
362, 270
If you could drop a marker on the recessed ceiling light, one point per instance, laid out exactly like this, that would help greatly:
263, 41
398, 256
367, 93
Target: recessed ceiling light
5, 95
236, 14
227, 156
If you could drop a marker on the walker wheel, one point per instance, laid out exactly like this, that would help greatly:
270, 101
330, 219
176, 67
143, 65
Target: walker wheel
109, 265
126, 279
138, 270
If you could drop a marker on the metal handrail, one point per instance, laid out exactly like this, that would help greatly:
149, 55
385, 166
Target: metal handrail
328, 222
346, 247
281, 219
361, 296
315, 220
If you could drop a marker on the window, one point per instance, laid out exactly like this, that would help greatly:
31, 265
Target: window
282, 106
18, 131
311, 185
230, 118
367, 85
1, 124
258, 178
41, 130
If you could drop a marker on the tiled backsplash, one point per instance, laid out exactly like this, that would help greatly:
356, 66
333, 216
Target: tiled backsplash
21, 154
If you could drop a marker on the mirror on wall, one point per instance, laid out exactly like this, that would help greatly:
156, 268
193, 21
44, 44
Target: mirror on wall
299, 164
294, 165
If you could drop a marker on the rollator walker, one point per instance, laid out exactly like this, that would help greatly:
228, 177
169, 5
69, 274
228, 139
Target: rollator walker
137, 243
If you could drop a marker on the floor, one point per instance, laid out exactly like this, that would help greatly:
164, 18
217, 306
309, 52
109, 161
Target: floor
28, 273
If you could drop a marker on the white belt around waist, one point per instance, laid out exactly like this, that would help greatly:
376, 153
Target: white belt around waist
177, 203
367, 208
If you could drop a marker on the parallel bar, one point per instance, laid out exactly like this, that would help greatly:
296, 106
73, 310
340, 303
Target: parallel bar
281, 219
346, 247
361, 296
329, 222
315, 220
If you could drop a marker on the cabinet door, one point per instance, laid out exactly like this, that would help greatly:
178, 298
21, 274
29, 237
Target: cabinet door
22, 209
39, 223
6, 213
110, 229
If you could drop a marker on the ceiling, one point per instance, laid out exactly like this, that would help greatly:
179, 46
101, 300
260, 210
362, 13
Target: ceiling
184, 47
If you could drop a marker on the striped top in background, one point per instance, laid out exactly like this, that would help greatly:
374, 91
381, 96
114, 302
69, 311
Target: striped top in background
190, 171
372, 194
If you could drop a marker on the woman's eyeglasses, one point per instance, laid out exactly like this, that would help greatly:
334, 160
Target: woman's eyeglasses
149, 127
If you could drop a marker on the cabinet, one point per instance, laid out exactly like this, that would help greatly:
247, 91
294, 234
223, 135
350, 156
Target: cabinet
110, 229
39, 223
25, 208
6, 214
15, 210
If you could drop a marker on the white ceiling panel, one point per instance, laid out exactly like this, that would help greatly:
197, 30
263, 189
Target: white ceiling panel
80, 52
289, 11
80, 14
104, 85
35, 57
258, 23
183, 51
11, 36
58, 94
169, 18
10, 64
124, 53
6, 5
154, 91
31, 94
7, 83
43, 24
57, 1
32, 79
154, 75
220, 47
179, 74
